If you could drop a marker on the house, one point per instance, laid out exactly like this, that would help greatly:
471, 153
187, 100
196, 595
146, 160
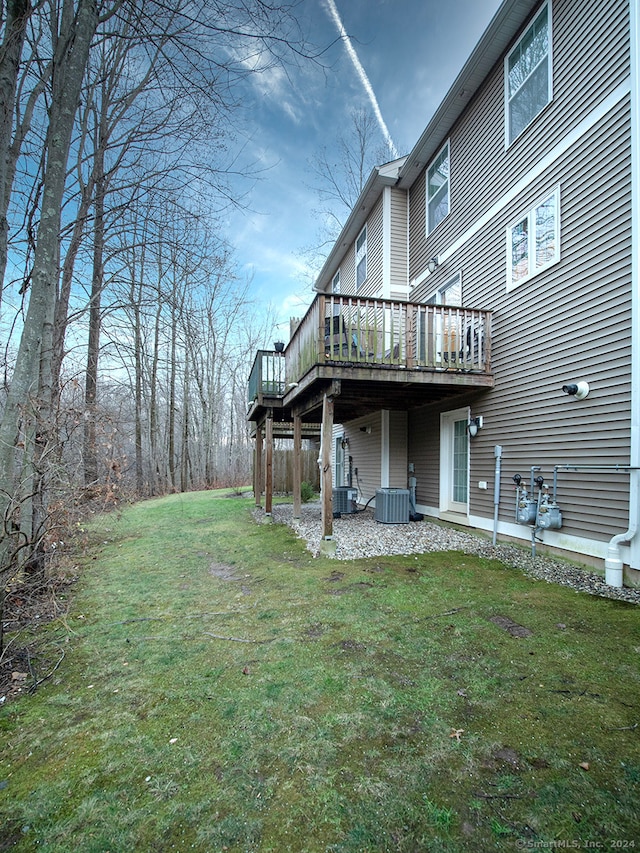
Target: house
475, 338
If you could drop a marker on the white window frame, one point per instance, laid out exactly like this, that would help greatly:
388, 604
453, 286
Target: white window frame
361, 256
335, 283
446, 184
534, 268
549, 61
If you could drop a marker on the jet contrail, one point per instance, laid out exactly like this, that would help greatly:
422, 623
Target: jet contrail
362, 74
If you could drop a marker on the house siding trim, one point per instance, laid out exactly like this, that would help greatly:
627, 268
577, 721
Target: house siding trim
634, 451
384, 449
560, 149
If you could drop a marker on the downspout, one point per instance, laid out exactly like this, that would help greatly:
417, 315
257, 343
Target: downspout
613, 563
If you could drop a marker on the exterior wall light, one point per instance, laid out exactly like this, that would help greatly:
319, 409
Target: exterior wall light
432, 263
579, 390
474, 425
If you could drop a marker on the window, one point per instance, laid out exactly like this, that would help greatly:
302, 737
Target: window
361, 258
528, 75
449, 293
533, 243
335, 283
438, 189
460, 473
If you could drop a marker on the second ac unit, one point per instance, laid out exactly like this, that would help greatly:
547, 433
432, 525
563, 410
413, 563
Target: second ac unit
392, 506
345, 499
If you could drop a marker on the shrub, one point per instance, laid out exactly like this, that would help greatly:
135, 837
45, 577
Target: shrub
306, 492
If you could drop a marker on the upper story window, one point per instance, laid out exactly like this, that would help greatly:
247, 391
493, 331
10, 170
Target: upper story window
361, 257
438, 189
533, 243
528, 75
335, 283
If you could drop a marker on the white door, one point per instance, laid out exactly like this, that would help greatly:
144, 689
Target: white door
454, 461
446, 329
339, 462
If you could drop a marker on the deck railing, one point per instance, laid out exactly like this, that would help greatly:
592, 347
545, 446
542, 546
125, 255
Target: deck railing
347, 330
267, 375
394, 333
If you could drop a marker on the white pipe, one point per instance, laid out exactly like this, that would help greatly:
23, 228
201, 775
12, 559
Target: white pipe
613, 563
497, 452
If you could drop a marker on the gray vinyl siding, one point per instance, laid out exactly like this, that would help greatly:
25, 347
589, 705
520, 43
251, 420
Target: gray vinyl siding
568, 323
399, 247
424, 452
398, 450
590, 58
373, 284
571, 321
347, 269
365, 451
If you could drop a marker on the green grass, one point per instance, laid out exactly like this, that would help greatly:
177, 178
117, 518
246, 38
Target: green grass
223, 690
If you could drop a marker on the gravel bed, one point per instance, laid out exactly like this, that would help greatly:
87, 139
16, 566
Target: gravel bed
359, 535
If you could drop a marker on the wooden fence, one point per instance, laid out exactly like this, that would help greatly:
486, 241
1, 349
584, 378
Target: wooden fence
283, 470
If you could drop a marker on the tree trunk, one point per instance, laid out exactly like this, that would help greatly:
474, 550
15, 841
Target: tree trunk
153, 403
90, 454
172, 400
34, 355
18, 12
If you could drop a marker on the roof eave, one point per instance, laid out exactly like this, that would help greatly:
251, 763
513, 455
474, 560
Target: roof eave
380, 177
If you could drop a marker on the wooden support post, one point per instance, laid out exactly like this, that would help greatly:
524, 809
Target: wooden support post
257, 468
297, 465
326, 543
268, 483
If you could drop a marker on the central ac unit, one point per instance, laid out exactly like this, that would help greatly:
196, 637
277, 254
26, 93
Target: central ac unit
345, 499
392, 506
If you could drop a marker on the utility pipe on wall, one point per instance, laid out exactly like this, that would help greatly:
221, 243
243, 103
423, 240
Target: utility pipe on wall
497, 452
613, 564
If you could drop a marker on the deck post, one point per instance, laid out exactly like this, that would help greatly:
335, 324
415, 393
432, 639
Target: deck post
327, 544
268, 486
297, 465
257, 468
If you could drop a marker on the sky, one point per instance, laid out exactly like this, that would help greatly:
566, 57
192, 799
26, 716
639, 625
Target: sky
398, 59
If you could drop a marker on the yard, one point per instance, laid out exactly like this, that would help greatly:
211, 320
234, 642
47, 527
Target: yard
215, 687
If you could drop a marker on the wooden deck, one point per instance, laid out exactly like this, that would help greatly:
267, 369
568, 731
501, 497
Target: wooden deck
372, 354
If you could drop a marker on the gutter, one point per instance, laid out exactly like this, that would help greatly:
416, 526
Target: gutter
613, 563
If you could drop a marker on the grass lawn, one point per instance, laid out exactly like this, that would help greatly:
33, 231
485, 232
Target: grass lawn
221, 689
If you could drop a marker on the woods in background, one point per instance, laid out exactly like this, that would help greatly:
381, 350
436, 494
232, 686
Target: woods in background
127, 329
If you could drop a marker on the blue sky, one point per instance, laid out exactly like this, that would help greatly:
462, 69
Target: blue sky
410, 51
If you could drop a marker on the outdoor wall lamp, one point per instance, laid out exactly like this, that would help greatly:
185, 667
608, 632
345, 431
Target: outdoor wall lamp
579, 390
345, 442
474, 425
432, 263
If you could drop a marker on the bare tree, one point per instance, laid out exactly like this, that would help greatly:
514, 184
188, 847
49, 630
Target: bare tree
150, 60
339, 174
